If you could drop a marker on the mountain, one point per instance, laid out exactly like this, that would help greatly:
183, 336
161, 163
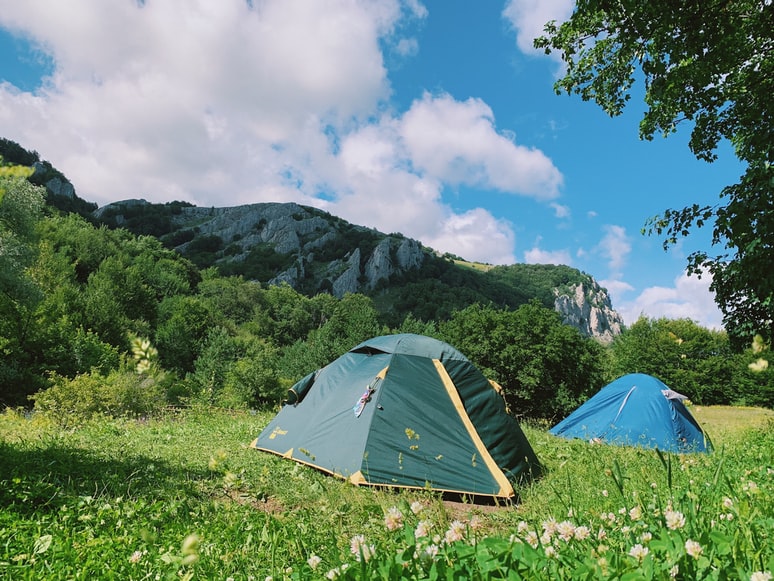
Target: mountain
314, 251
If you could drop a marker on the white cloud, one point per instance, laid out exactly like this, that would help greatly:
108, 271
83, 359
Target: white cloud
615, 247
476, 235
537, 255
223, 104
689, 298
560, 211
528, 17
457, 142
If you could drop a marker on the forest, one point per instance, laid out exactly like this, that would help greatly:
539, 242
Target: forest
98, 320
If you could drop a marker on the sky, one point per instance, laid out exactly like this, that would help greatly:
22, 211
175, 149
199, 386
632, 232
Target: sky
436, 119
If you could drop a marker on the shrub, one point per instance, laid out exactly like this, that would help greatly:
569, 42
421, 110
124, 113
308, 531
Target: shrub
120, 393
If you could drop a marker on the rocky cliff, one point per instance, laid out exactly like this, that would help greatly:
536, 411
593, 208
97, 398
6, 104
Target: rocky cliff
314, 251
588, 308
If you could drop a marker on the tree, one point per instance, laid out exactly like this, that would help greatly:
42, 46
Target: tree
546, 368
21, 206
687, 357
710, 64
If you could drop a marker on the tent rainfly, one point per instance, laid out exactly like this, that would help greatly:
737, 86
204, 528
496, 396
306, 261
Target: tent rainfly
405, 411
636, 410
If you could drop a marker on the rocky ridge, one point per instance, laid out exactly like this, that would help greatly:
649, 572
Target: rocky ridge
318, 252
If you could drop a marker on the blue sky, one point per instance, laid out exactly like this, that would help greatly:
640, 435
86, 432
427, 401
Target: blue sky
435, 119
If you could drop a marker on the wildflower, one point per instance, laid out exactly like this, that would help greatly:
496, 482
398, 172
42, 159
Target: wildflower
417, 507
393, 519
761, 576
751, 487
549, 526
727, 502
314, 561
602, 534
566, 530
268, 578
476, 523
646, 537
550, 551
674, 519
359, 548
582, 532
136, 556
432, 550
532, 539
456, 532
638, 552
674, 571
693, 548
522, 527
333, 574
605, 493
423, 529
635, 513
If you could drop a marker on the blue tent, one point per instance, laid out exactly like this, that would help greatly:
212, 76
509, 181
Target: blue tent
636, 410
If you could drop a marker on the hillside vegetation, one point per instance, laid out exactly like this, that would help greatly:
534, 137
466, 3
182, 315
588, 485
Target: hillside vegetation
100, 320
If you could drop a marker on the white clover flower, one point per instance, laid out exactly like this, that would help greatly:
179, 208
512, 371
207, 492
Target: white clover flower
727, 503
638, 552
605, 493
674, 519
393, 519
601, 534
314, 561
476, 523
550, 551
565, 530
693, 548
532, 539
417, 507
136, 556
423, 529
674, 571
582, 532
359, 548
456, 532
761, 576
646, 537
635, 513
549, 526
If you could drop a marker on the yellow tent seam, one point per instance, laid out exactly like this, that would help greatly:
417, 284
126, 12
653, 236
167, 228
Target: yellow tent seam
505, 486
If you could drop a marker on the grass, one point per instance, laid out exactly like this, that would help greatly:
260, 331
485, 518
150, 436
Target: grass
185, 497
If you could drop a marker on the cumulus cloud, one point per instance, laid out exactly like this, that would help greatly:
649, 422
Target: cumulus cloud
528, 17
615, 247
689, 298
537, 255
457, 142
237, 102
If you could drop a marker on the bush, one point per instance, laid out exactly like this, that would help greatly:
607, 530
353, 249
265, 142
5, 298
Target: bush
121, 393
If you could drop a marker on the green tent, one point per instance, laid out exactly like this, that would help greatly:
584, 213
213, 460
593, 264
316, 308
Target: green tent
405, 411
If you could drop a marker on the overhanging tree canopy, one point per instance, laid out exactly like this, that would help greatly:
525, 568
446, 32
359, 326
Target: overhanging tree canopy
709, 63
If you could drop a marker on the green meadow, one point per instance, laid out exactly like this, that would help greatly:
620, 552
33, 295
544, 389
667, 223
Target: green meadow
185, 497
